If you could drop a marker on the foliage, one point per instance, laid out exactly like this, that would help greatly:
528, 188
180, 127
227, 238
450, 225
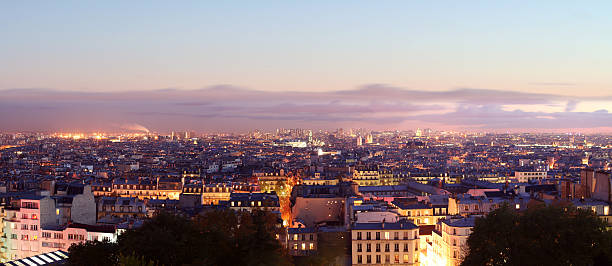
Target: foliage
133, 260
93, 253
542, 235
219, 237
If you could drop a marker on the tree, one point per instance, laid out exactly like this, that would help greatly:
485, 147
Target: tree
242, 238
93, 253
541, 235
165, 239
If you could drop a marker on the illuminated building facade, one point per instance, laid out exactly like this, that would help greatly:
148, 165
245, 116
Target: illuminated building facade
302, 241
385, 243
448, 243
421, 213
366, 176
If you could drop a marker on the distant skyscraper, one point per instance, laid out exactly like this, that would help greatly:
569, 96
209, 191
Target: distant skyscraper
418, 132
359, 141
369, 139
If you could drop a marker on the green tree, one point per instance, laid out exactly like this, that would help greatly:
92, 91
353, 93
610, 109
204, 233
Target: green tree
542, 235
93, 253
166, 239
219, 237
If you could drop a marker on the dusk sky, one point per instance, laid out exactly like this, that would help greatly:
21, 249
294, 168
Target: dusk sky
239, 65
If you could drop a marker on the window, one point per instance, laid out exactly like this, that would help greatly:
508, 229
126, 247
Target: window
467, 207
396, 258
387, 235
396, 235
359, 259
454, 242
406, 258
454, 231
377, 235
295, 237
359, 247
311, 246
295, 246
454, 254
46, 235
358, 235
387, 258
24, 227
58, 236
405, 247
368, 259
13, 236
34, 227
377, 258
311, 236
369, 235
396, 247
303, 246
387, 247
377, 247
368, 247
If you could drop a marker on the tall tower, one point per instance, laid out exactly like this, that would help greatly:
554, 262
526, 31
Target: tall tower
359, 141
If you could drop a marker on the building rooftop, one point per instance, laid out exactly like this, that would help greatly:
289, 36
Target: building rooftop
400, 225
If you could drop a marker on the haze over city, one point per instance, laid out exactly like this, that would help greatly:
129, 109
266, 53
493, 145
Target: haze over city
233, 67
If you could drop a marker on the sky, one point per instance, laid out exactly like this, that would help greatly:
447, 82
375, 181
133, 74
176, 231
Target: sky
240, 65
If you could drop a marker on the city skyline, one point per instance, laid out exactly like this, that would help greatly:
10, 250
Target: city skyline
226, 108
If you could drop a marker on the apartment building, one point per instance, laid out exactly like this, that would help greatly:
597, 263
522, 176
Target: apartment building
420, 213
35, 224
448, 244
465, 204
366, 176
302, 241
524, 177
385, 243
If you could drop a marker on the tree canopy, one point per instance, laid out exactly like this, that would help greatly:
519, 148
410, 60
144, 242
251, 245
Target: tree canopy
219, 237
541, 235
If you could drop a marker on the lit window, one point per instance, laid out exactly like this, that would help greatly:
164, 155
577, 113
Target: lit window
518, 206
303, 246
56, 211
606, 210
295, 246
311, 246
386, 235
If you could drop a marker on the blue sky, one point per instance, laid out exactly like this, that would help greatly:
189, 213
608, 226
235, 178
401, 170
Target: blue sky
548, 47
